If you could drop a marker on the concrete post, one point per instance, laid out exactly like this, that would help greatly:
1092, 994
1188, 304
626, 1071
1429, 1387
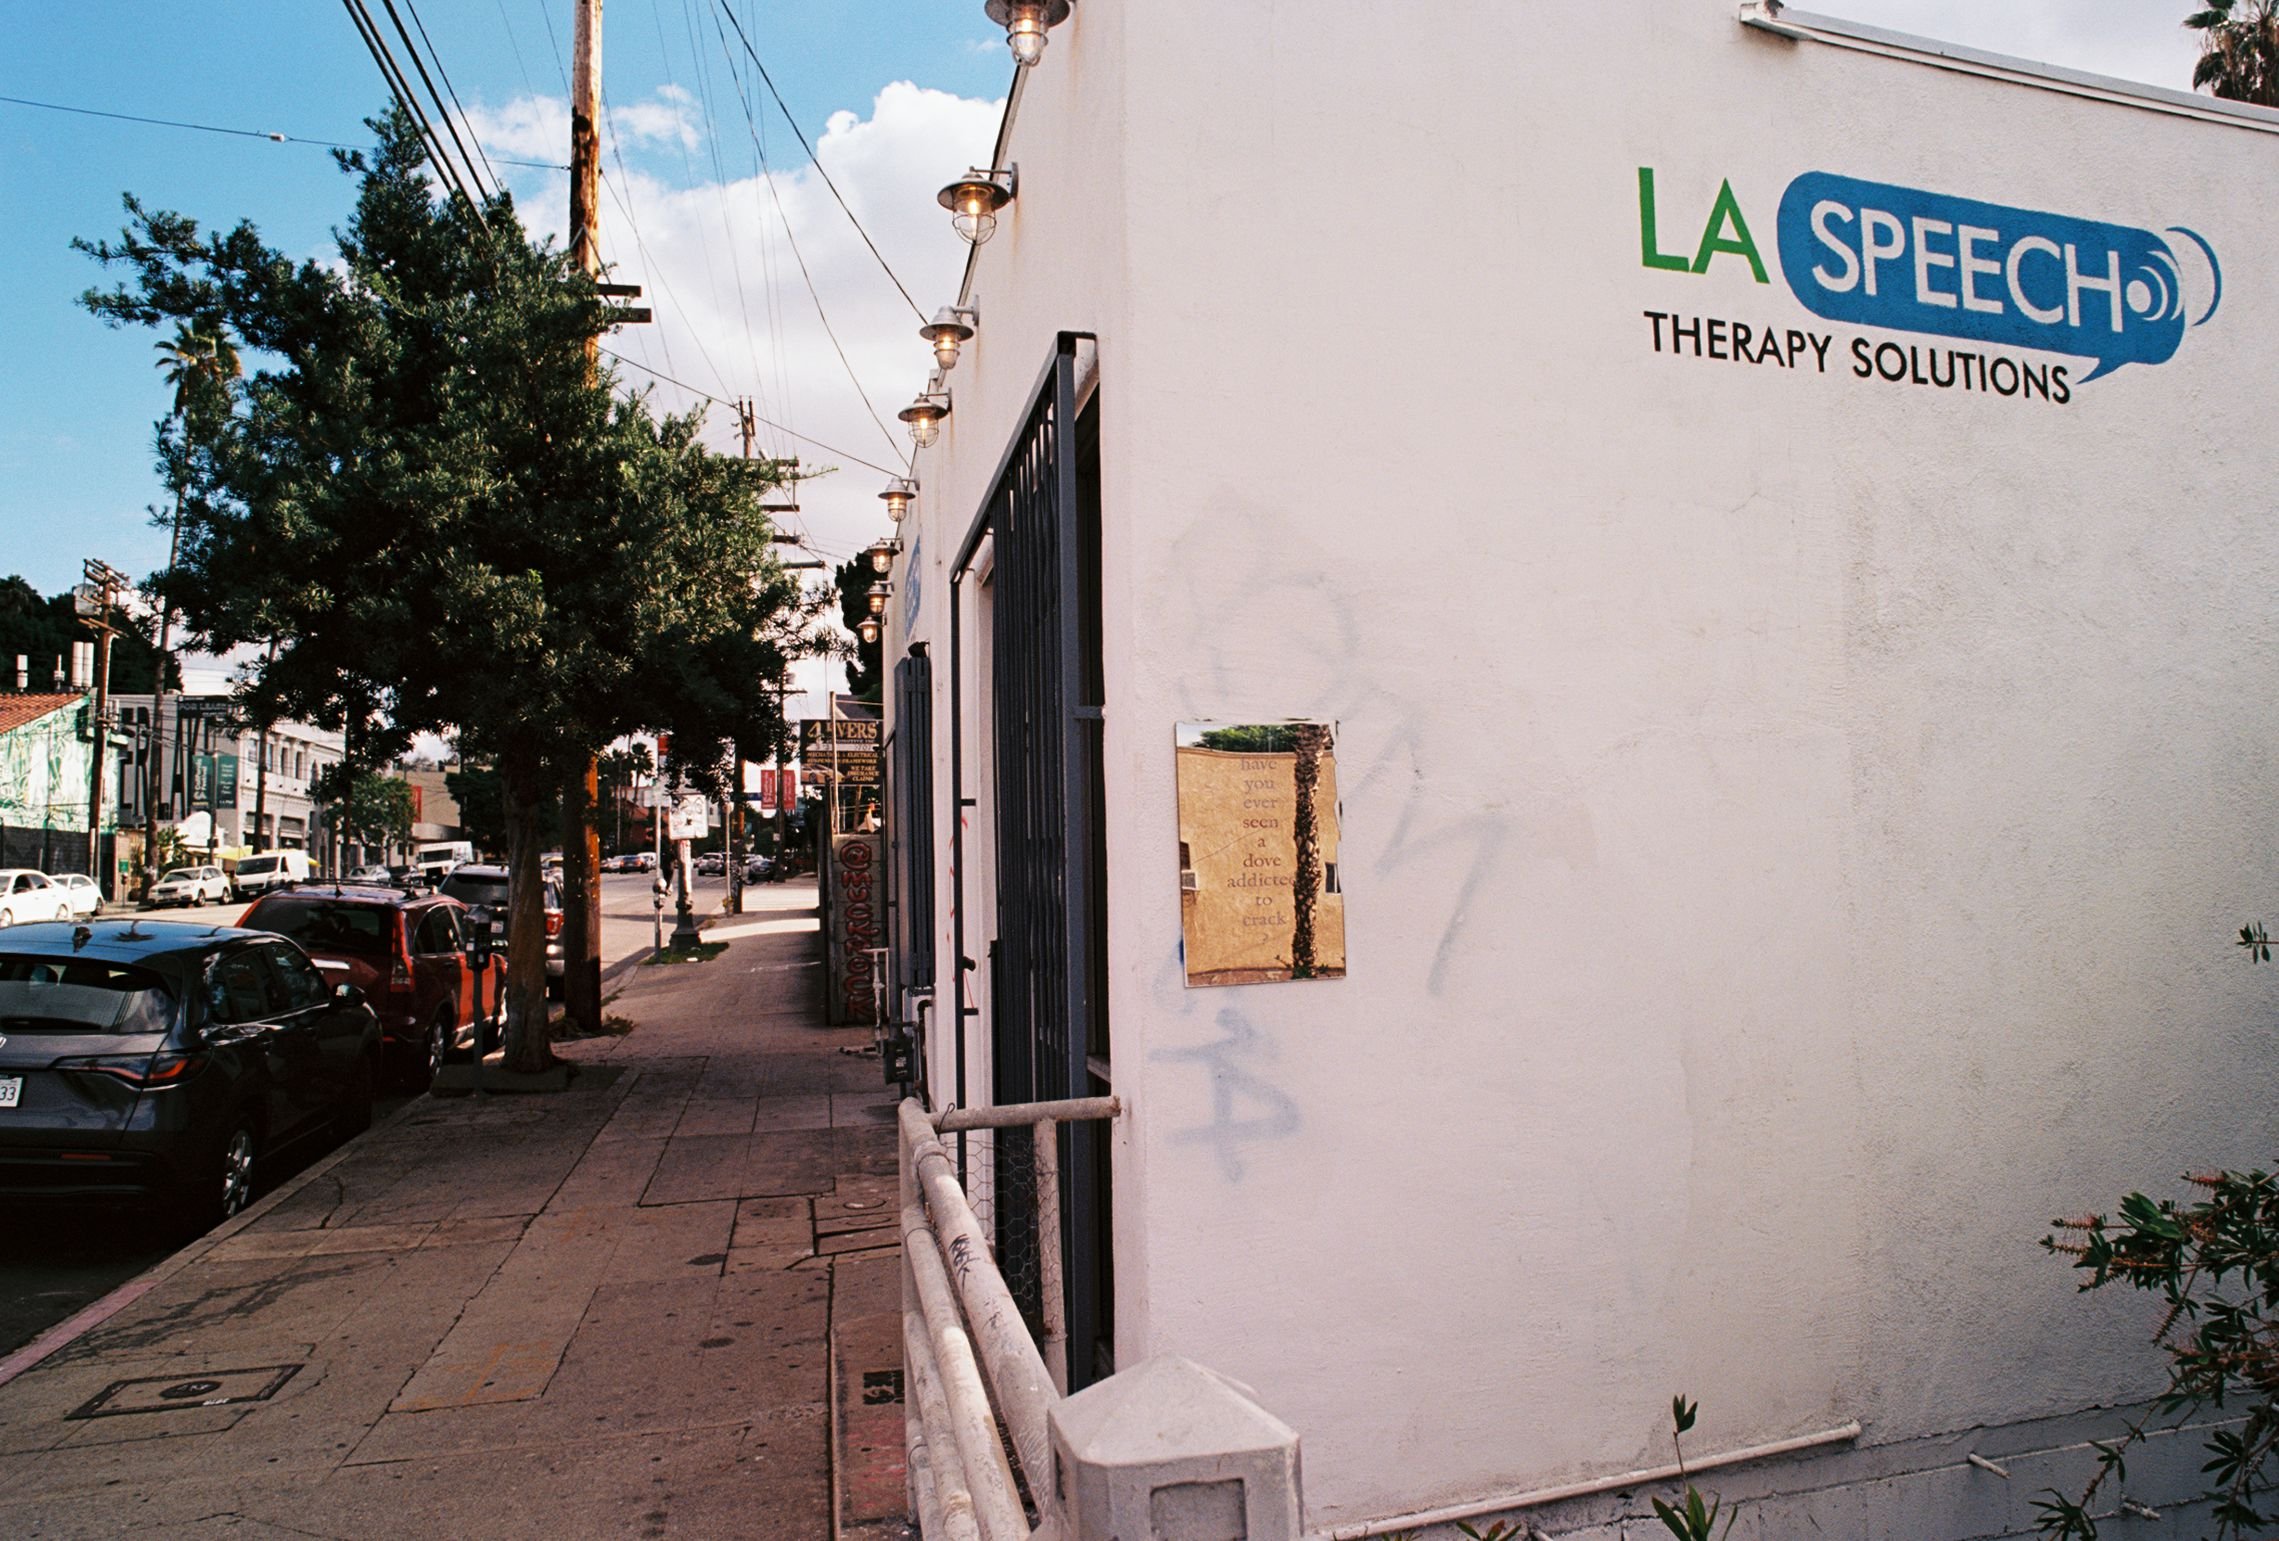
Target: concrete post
1171, 1451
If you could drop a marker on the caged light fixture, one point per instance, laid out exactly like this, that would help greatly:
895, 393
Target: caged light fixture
925, 417
868, 630
882, 556
878, 594
974, 199
952, 326
898, 495
1025, 23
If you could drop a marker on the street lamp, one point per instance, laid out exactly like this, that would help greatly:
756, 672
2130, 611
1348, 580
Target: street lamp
974, 199
1025, 23
951, 326
925, 416
898, 494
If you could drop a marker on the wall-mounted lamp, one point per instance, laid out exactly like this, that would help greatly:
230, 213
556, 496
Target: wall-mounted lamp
951, 326
898, 495
1025, 23
868, 630
974, 199
878, 593
925, 417
882, 556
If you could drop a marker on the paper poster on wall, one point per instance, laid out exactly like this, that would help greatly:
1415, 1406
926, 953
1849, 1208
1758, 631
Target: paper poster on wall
1259, 896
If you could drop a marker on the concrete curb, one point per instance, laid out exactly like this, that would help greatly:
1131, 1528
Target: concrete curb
61, 1336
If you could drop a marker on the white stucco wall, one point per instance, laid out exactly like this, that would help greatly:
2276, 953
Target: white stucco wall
1793, 824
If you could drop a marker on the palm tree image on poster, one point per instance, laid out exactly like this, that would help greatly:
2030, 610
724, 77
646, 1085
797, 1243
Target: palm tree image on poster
1259, 896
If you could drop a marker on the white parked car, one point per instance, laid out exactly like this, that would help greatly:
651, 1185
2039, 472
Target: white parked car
26, 896
190, 885
85, 898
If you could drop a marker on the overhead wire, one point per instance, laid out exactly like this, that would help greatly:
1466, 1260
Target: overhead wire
215, 128
412, 52
817, 161
792, 242
437, 55
400, 87
778, 427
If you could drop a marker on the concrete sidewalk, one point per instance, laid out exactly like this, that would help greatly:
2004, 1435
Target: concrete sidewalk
662, 1303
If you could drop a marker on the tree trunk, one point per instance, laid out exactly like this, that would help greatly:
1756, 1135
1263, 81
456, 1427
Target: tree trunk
522, 789
1305, 829
581, 902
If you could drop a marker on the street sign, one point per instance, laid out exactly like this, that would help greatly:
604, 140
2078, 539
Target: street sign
691, 818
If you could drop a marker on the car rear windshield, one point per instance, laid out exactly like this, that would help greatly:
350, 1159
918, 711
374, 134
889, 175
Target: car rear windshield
367, 929
80, 995
469, 890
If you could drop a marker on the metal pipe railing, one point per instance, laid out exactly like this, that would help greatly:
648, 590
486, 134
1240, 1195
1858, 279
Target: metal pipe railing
961, 1382
1024, 1388
941, 1356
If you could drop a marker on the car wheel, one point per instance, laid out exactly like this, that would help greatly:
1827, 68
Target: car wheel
227, 1184
441, 1040
355, 1114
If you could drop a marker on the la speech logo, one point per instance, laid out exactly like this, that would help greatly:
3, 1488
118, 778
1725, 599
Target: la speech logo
1907, 260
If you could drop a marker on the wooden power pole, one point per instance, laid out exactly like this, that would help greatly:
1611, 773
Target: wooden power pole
106, 581
581, 839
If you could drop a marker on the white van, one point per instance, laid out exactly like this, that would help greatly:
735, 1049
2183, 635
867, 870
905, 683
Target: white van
271, 869
436, 861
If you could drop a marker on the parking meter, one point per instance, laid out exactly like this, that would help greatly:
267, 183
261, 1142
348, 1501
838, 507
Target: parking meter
482, 942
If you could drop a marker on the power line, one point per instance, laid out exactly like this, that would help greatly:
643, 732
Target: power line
435, 96
241, 133
400, 87
778, 427
768, 181
454, 90
817, 161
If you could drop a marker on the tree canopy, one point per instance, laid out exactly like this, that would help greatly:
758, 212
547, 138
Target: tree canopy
2239, 50
439, 512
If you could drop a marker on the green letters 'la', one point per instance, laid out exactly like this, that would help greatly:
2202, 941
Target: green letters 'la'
1724, 216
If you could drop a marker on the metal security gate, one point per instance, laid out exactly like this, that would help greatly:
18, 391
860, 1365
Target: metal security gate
910, 831
1049, 1033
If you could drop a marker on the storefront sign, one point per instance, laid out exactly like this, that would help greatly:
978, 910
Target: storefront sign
1259, 894
852, 916
1899, 259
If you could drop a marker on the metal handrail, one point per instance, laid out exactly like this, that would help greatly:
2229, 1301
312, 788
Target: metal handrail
969, 1356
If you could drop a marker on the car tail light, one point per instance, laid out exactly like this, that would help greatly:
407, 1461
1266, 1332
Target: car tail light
145, 1072
553, 922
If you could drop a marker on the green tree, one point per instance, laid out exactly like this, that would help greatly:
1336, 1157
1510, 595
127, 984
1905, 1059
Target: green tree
376, 810
440, 518
866, 668
44, 629
2239, 53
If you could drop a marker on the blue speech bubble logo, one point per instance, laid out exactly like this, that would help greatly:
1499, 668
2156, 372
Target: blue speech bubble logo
1912, 261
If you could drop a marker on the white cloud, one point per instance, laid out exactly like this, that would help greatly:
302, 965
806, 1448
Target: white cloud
733, 315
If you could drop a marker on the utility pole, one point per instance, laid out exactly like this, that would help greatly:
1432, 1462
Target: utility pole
106, 581
732, 841
581, 841
158, 775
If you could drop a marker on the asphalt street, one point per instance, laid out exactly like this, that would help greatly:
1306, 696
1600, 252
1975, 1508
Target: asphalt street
55, 1261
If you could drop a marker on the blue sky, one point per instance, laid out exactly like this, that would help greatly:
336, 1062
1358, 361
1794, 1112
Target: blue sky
733, 315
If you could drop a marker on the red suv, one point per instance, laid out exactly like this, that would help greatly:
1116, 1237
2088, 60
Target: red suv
406, 952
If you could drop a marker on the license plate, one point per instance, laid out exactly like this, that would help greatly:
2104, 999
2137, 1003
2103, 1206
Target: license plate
11, 1088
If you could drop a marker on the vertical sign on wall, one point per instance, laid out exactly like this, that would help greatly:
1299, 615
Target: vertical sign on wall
851, 921
1260, 899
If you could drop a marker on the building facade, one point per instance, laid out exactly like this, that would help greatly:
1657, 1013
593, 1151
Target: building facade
47, 765
1756, 505
257, 790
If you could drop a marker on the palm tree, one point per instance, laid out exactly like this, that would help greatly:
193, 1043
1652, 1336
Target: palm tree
200, 367
2239, 57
